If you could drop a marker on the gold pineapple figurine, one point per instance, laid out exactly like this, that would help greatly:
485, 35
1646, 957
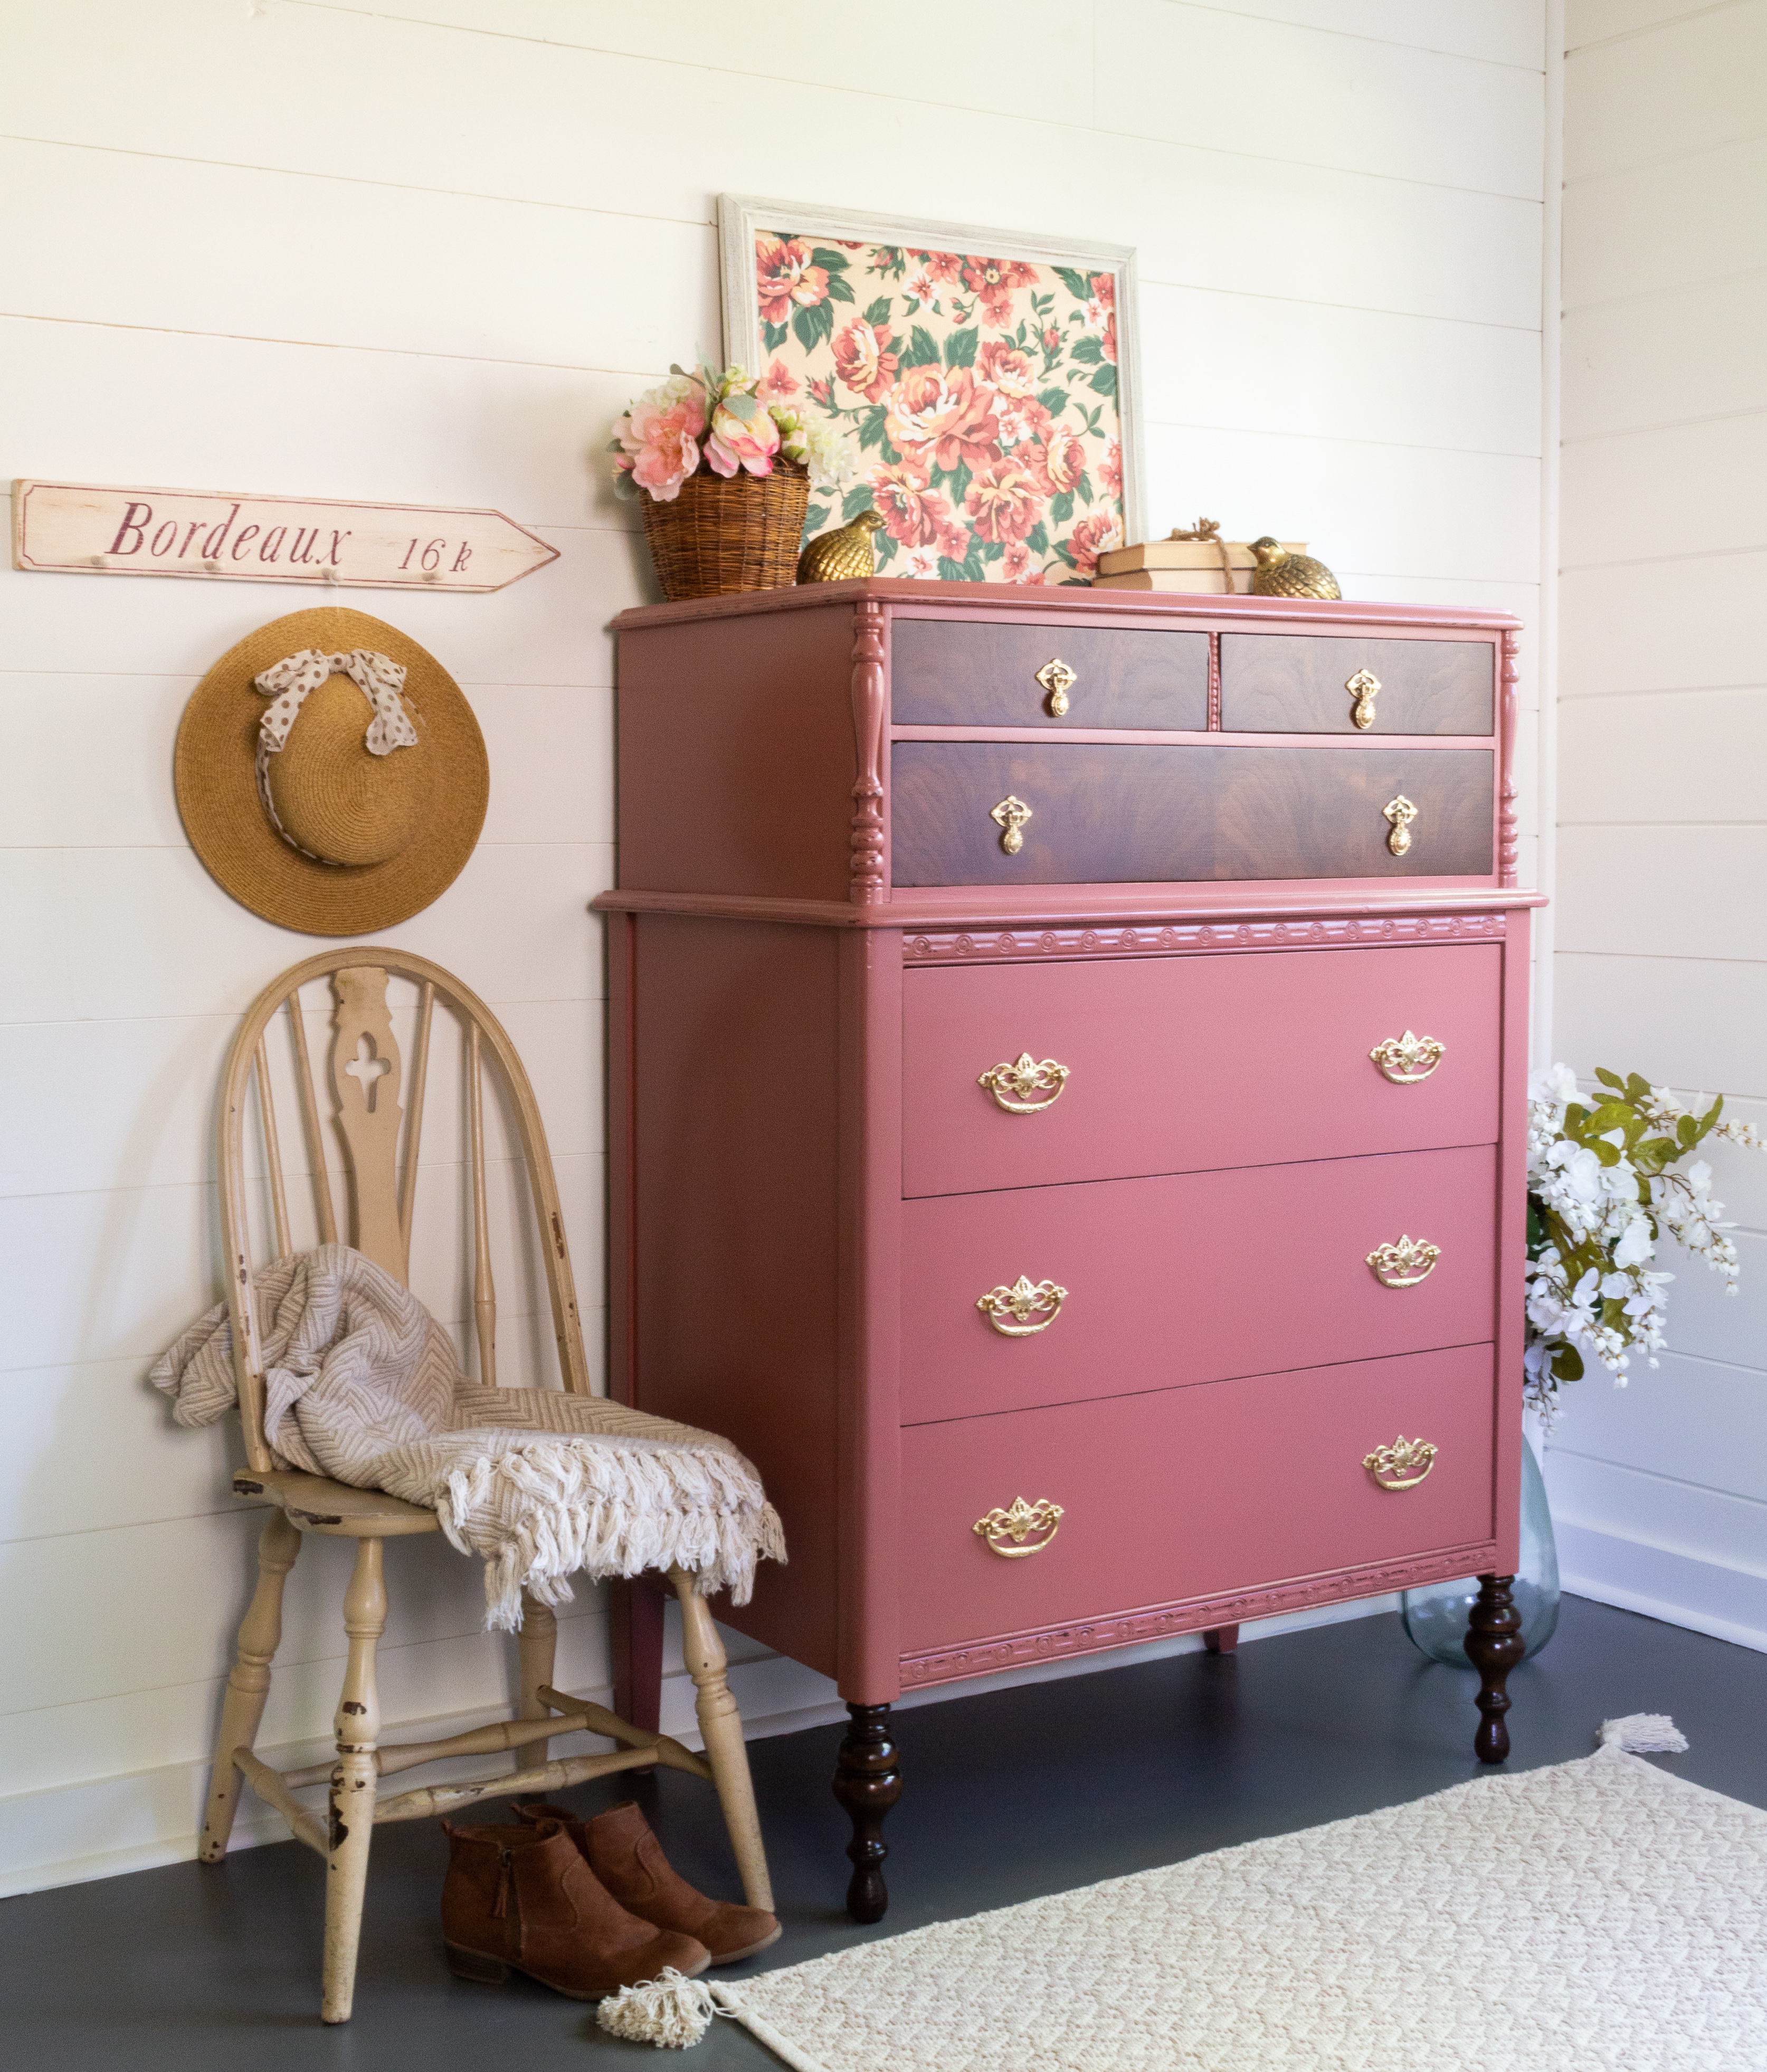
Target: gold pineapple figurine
842, 556
1279, 574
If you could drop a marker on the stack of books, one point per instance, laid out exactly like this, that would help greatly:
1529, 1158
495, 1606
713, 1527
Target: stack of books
1194, 565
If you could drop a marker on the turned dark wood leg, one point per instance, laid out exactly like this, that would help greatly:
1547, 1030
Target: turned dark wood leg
867, 1783
1221, 1639
636, 1613
1493, 1647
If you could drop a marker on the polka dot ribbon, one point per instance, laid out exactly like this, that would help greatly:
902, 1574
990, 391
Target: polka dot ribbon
293, 681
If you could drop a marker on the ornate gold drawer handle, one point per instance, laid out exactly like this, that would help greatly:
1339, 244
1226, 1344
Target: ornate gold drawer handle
1057, 679
1400, 812
1011, 814
1020, 1302
1364, 687
1404, 1265
1402, 1466
1018, 1524
1407, 1058
1013, 1086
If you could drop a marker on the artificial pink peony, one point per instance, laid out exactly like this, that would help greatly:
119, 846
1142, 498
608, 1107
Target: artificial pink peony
739, 441
660, 435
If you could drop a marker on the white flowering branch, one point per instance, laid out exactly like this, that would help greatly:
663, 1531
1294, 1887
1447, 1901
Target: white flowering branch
1602, 1188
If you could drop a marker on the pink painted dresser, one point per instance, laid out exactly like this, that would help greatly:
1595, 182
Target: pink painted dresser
1067, 1059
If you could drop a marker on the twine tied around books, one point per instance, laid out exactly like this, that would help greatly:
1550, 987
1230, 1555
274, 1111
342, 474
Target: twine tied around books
1209, 529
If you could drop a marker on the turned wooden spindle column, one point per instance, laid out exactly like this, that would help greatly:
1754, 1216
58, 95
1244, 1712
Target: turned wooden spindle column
868, 1782
1493, 1647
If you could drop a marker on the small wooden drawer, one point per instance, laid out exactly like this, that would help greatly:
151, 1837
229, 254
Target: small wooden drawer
1181, 1064
1101, 814
1189, 1277
1189, 1492
1278, 682
950, 672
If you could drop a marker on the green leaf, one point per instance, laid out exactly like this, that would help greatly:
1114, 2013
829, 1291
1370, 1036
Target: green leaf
840, 289
992, 549
871, 426
1567, 1364
773, 336
1061, 508
1609, 1154
1054, 400
826, 256
922, 349
813, 327
1610, 1079
1084, 487
1080, 286
857, 499
885, 547
1037, 538
1090, 350
1065, 552
1687, 1132
741, 406
960, 348
1103, 383
878, 312
955, 480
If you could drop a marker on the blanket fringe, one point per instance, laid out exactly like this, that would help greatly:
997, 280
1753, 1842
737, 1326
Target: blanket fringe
1644, 1733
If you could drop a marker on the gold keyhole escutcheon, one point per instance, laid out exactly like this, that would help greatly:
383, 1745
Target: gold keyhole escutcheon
1402, 1466
1400, 813
1029, 1526
1011, 1310
1057, 679
1405, 1263
1010, 814
1407, 1058
1026, 1087
1364, 688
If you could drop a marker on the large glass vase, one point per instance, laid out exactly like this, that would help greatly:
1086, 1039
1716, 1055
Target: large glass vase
1436, 1615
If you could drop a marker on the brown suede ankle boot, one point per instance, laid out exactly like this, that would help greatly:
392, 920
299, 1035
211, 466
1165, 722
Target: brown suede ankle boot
524, 1898
628, 1858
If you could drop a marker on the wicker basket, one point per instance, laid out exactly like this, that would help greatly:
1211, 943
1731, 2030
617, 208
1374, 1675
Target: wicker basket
725, 534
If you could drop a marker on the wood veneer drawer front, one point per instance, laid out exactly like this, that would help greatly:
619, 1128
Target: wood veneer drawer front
1103, 814
1278, 682
954, 672
1176, 1064
1190, 1492
1190, 1277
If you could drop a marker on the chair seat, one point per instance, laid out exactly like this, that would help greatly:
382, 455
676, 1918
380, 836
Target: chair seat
318, 1505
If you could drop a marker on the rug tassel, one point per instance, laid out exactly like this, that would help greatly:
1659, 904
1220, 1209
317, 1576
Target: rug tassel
670, 2010
1644, 1733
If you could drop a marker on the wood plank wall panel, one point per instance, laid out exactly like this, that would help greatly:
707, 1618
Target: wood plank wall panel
1341, 328
1662, 1488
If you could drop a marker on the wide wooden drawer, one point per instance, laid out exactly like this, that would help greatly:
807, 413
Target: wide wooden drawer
1121, 813
1176, 1064
1191, 1277
1189, 1492
1283, 683
950, 672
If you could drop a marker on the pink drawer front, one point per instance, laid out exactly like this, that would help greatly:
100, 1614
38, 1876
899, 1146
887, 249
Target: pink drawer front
1176, 1064
1189, 1492
1190, 1277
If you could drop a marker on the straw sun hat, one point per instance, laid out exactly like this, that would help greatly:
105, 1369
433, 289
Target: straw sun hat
330, 774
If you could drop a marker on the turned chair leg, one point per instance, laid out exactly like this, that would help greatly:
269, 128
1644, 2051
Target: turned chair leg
867, 1782
354, 1780
260, 1634
1494, 1646
537, 1649
721, 1727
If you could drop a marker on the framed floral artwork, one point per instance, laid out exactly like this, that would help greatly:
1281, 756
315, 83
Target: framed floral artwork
982, 382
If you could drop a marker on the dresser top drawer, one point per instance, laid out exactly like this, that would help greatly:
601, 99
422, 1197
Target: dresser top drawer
990, 673
1283, 683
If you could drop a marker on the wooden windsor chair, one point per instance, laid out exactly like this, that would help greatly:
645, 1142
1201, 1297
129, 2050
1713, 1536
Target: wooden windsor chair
367, 1081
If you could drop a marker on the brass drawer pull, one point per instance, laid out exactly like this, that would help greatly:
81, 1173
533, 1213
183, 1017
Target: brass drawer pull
1018, 1524
1057, 679
1402, 1466
1404, 1265
1364, 687
1407, 1058
1020, 1302
1400, 812
1013, 1085
1012, 814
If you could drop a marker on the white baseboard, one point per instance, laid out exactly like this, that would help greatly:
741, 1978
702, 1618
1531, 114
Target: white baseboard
1663, 1583
102, 1827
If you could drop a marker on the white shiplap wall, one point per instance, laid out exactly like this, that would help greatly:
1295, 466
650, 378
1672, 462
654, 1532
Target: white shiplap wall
426, 250
1661, 1491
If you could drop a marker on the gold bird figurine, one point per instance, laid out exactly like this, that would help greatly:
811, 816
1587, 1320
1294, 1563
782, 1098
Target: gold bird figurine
842, 556
1279, 574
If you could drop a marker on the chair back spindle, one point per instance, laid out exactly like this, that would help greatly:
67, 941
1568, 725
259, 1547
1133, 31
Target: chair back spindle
273, 1151
484, 1288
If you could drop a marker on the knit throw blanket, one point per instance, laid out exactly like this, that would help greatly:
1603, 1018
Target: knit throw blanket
363, 1385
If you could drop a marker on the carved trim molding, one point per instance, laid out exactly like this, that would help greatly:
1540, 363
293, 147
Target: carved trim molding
1508, 844
870, 705
1176, 937
984, 1658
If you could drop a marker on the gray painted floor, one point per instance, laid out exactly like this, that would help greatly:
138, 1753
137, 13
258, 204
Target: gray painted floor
1008, 1795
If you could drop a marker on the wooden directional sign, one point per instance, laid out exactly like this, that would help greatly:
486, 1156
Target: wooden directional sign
221, 536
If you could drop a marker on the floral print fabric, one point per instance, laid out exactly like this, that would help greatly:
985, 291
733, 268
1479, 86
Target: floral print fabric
978, 398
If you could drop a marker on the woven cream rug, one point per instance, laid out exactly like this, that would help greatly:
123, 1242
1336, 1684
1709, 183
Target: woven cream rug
1599, 1913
